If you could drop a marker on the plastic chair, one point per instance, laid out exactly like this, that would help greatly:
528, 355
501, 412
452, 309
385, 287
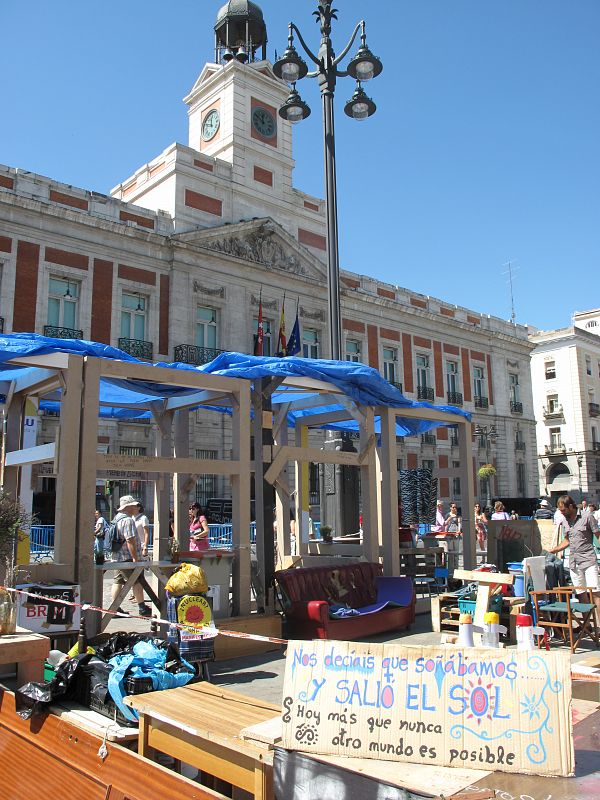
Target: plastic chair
440, 579
566, 614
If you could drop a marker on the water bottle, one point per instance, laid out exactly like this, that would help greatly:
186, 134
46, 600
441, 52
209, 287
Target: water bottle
465, 630
491, 630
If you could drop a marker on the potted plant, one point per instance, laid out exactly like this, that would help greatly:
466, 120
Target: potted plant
486, 471
13, 516
326, 533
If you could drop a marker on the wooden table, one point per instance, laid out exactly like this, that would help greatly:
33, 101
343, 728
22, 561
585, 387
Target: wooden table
200, 724
161, 569
27, 650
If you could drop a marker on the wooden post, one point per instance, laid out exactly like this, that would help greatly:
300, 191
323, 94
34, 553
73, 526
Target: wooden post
302, 501
65, 541
181, 482
465, 472
389, 493
368, 482
282, 492
87, 576
162, 487
262, 430
240, 484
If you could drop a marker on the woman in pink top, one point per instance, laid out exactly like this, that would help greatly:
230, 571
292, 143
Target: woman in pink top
198, 528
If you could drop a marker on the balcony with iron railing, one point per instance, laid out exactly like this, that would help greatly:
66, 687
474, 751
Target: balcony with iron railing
519, 445
397, 385
455, 398
453, 438
192, 354
555, 449
136, 347
62, 333
425, 393
428, 438
481, 402
516, 407
594, 409
553, 412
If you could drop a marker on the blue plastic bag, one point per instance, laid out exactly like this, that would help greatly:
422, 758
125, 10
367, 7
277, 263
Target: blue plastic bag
146, 661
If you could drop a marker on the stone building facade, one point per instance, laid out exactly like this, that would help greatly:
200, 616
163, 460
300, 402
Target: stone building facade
565, 369
172, 266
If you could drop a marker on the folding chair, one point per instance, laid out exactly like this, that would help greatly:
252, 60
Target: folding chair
566, 614
440, 579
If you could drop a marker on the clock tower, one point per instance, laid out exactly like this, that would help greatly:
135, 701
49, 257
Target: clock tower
233, 104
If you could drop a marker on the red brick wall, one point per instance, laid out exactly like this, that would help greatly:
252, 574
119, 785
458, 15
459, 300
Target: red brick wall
312, 239
6, 182
311, 206
414, 301
352, 325
351, 283
466, 372
263, 176
26, 280
439, 369
163, 325
144, 222
447, 312
203, 165
450, 348
5, 244
204, 203
411, 460
386, 293
373, 345
68, 200
387, 333
66, 258
445, 487
408, 362
102, 300
421, 342
137, 274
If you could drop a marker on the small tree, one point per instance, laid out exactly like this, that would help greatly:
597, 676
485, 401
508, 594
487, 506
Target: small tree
13, 517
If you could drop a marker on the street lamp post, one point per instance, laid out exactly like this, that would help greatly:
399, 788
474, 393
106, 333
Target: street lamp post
339, 503
291, 67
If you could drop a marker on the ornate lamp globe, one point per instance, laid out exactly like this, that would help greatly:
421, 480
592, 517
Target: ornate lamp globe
360, 106
364, 65
290, 67
294, 109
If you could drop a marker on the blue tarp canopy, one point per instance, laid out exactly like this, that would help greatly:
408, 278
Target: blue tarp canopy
132, 398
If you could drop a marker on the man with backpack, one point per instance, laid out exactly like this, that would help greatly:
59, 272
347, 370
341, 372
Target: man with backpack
125, 546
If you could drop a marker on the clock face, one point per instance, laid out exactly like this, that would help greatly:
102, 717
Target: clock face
264, 122
210, 125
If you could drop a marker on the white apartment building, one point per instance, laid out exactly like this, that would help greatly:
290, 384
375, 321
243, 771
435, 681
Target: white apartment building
565, 373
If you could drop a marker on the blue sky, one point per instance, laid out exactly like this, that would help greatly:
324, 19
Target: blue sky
484, 148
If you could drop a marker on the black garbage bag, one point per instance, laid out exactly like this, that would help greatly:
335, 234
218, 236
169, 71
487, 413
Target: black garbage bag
34, 698
123, 642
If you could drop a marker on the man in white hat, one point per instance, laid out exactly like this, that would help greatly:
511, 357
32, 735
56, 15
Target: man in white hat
129, 551
544, 511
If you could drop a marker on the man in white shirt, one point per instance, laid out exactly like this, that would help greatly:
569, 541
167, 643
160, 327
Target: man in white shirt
129, 551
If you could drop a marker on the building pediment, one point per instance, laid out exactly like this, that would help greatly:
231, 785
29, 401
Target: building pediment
260, 241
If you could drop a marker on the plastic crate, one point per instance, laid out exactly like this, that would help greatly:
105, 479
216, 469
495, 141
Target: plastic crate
468, 606
138, 684
108, 709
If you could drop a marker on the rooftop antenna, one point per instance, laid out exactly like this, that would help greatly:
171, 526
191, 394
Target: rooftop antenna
509, 272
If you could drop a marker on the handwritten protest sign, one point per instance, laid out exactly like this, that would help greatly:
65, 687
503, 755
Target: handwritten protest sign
479, 708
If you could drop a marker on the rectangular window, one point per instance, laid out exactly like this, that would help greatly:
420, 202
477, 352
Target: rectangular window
521, 488
427, 463
588, 365
550, 369
515, 392
390, 359
206, 327
594, 436
133, 316
352, 350
452, 377
133, 487
478, 381
422, 371
267, 325
62, 303
206, 485
455, 487
313, 484
555, 438
310, 343
553, 405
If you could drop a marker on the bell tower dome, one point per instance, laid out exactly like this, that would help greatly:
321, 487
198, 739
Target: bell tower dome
240, 32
